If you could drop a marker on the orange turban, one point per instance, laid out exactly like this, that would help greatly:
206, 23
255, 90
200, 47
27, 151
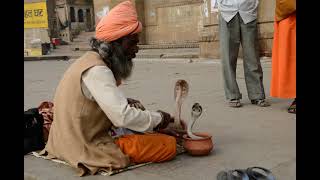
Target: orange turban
122, 20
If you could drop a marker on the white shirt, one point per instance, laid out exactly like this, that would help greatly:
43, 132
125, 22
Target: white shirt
98, 84
246, 8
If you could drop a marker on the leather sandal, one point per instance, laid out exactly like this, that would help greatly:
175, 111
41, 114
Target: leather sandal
235, 103
260, 102
292, 108
255, 175
236, 174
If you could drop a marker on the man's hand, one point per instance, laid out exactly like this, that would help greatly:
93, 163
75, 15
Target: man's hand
135, 103
166, 119
175, 131
167, 126
177, 126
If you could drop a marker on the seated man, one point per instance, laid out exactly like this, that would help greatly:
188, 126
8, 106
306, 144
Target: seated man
88, 103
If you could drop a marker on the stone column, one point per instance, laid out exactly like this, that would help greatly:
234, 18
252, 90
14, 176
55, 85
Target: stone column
76, 14
92, 19
265, 26
209, 33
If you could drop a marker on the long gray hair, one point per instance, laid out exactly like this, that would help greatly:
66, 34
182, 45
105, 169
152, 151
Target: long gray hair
113, 54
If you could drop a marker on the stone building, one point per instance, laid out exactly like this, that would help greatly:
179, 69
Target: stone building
47, 19
188, 23
59, 19
73, 17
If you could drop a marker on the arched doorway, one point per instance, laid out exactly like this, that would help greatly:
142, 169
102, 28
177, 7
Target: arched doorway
88, 20
80, 15
72, 15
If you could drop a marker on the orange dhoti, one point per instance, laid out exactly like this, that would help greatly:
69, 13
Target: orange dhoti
283, 81
143, 148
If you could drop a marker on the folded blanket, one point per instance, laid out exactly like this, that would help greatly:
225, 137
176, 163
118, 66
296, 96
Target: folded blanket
180, 150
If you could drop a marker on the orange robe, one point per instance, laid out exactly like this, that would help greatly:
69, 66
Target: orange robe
283, 80
150, 147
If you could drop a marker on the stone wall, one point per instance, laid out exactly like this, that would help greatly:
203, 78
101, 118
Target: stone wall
172, 21
102, 7
188, 22
164, 21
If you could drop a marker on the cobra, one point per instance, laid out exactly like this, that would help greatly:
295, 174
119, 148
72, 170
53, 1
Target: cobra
181, 91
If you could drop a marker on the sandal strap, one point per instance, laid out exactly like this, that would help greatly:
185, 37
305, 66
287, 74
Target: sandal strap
234, 100
260, 102
292, 106
254, 175
234, 103
242, 173
222, 175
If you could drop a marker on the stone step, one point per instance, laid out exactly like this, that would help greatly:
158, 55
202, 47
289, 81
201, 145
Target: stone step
85, 43
168, 46
80, 45
84, 46
167, 56
65, 53
47, 57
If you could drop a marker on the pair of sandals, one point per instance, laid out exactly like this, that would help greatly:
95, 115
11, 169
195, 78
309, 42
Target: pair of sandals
259, 102
247, 174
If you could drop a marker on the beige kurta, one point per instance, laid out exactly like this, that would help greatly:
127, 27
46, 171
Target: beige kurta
99, 84
78, 134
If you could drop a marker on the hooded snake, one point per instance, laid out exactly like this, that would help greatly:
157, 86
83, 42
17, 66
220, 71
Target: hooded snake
181, 90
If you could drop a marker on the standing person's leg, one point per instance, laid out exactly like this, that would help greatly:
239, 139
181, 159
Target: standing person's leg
229, 48
251, 63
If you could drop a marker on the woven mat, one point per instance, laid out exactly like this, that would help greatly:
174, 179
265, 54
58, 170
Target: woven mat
180, 150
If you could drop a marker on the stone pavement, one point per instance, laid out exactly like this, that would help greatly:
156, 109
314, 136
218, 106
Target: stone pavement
243, 137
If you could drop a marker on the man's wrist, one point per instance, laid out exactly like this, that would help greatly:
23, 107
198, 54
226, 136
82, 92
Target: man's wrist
161, 124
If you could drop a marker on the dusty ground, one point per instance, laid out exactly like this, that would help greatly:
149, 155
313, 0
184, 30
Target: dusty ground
243, 137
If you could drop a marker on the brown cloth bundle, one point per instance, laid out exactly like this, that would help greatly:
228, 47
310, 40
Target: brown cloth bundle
46, 110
